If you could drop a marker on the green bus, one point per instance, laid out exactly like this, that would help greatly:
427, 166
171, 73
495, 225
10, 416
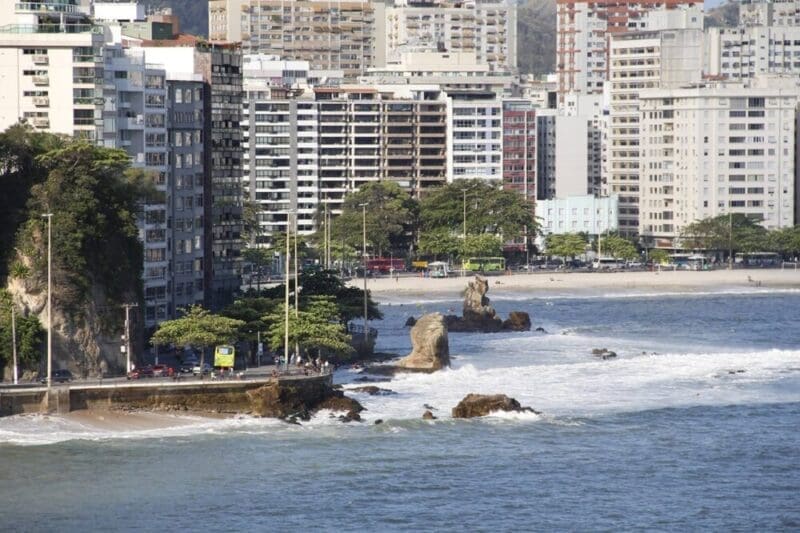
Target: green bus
485, 264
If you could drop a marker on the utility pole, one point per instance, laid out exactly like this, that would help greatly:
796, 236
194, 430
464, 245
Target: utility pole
49, 217
14, 340
128, 308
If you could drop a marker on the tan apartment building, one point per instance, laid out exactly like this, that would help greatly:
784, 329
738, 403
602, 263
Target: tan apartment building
329, 35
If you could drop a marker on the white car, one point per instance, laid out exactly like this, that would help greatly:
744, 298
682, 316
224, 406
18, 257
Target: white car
206, 369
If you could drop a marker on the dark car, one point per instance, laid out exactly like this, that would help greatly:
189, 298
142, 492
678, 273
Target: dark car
59, 376
142, 372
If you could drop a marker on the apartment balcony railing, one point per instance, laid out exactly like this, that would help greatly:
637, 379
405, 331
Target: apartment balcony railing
41, 80
41, 122
41, 60
41, 101
50, 28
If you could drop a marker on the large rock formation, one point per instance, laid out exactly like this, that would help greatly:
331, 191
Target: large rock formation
430, 348
299, 400
481, 405
479, 315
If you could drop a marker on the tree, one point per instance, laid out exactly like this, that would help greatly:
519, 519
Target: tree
349, 300
489, 209
482, 245
390, 212
565, 245
251, 228
199, 329
785, 241
314, 328
659, 257
618, 247
439, 242
30, 335
258, 258
734, 233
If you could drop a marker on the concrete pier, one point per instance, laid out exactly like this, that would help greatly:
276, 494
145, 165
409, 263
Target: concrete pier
229, 396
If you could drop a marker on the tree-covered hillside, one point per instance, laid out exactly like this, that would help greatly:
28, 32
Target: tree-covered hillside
193, 14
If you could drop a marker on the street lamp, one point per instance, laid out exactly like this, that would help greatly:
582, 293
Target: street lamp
49, 217
364, 262
286, 293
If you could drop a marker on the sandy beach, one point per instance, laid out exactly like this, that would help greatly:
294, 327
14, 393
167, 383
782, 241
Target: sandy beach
578, 282
111, 420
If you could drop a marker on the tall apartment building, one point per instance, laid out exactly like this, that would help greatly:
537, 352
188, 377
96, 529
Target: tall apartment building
770, 13
714, 150
584, 29
330, 35
485, 29
743, 52
639, 61
475, 137
51, 65
219, 67
519, 147
309, 148
135, 120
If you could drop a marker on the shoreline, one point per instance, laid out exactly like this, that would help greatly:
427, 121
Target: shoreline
580, 282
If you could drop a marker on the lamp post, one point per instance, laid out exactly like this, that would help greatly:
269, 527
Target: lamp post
14, 340
730, 240
286, 294
364, 262
49, 217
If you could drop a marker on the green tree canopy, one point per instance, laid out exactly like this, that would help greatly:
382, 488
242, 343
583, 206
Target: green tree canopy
94, 197
314, 329
489, 209
482, 245
785, 241
197, 328
390, 212
565, 245
659, 257
30, 336
725, 232
618, 247
439, 242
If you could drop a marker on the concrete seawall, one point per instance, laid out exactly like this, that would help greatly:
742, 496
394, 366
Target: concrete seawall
258, 397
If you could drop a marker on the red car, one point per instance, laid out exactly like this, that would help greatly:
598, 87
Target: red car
139, 373
163, 371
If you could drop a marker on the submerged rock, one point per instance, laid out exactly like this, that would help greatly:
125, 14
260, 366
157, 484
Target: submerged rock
474, 405
603, 353
410, 321
372, 390
427, 415
430, 347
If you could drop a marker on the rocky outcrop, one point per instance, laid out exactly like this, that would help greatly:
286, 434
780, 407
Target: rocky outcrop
372, 390
517, 321
410, 321
480, 316
427, 415
430, 348
603, 353
474, 405
286, 400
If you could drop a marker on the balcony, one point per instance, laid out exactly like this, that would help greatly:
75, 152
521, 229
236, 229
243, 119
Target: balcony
41, 80
41, 122
41, 60
44, 7
41, 101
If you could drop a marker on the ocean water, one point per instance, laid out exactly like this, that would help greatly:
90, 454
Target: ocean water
694, 426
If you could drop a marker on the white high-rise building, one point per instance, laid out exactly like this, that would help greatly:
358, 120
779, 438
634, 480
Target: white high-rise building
50, 53
639, 61
743, 52
717, 149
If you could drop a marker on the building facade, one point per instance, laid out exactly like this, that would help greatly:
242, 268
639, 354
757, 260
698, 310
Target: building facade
51, 65
329, 35
578, 214
640, 61
485, 29
584, 29
715, 150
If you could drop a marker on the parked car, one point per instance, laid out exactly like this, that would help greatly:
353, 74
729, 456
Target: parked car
58, 376
163, 371
142, 372
206, 369
186, 368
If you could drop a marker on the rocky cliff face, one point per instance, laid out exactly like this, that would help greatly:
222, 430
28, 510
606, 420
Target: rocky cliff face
80, 343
